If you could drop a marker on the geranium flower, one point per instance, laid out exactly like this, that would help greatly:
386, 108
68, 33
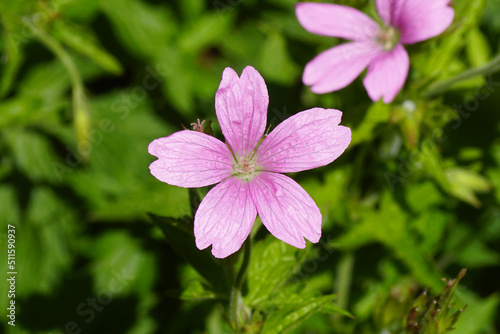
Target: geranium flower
380, 48
248, 166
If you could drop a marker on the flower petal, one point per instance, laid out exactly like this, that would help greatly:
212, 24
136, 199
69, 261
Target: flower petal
337, 67
224, 218
336, 20
422, 19
389, 11
190, 159
286, 209
241, 107
387, 74
309, 139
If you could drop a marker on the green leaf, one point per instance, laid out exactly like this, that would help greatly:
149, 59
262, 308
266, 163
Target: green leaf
86, 44
275, 63
13, 57
289, 317
207, 30
33, 154
464, 184
271, 264
118, 259
378, 113
195, 290
477, 47
180, 236
478, 315
422, 196
143, 28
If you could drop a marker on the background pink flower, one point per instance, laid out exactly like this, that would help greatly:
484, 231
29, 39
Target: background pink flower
377, 47
248, 173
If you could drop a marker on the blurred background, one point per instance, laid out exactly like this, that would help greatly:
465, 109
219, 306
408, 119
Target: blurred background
86, 85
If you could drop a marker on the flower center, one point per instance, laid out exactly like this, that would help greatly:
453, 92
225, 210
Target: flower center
245, 167
389, 38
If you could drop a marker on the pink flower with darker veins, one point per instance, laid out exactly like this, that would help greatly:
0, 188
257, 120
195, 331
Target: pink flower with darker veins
380, 48
248, 166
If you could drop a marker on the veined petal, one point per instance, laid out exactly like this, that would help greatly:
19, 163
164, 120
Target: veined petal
224, 218
387, 74
422, 19
336, 20
190, 159
241, 107
337, 67
286, 209
309, 139
389, 11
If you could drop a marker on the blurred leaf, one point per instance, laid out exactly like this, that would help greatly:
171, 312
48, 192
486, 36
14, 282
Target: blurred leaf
422, 196
464, 184
431, 225
195, 290
478, 316
117, 183
432, 163
143, 28
208, 29
33, 154
10, 63
378, 113
388, 226
86, 44
275, 63
49, 241
120, 265
477, 47
435, 63
475, 254
182, 241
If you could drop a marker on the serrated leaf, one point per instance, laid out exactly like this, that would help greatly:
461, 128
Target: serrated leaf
287, 318
271, 264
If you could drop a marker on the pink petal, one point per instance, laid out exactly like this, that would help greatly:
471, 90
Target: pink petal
309, 139
224, 218
389, 11
422, 19
287, 211
190, 159
337, 67
241, 107
336, 20
387, 74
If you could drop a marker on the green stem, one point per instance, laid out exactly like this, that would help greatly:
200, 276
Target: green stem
236, 283
444, 85
59, 51
344, 280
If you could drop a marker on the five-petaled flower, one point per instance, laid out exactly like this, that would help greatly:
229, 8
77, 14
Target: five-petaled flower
248, 166
377, 47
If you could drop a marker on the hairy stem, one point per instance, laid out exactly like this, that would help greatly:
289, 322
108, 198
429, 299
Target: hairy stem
443, 85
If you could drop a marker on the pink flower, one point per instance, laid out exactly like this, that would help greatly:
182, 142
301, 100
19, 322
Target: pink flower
248, 166
378, 48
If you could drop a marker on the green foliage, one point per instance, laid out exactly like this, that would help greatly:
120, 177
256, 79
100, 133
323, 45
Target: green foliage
86, 85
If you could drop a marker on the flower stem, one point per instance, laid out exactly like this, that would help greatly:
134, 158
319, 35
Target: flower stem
444, 85
236, 283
